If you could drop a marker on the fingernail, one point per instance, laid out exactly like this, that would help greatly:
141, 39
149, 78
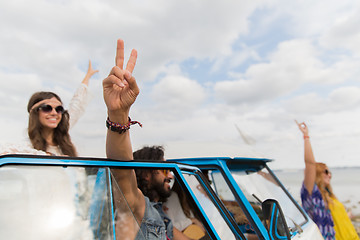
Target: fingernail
120, 83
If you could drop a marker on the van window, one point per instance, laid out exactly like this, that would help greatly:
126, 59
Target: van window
210, 209
56, 202
226, 195
257, 186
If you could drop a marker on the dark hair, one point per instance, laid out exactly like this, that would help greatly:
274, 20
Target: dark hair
185, 205
153, 153
61, 132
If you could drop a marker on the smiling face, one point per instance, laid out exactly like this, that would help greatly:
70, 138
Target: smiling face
162, 179
51, 119
161, 183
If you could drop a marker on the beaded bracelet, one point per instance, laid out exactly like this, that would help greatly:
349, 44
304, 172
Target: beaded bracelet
117, 127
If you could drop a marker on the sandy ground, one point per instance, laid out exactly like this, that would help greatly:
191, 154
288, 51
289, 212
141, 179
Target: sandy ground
356, 222
354, 208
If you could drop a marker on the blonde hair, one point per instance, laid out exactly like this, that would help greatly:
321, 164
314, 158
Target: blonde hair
325, 189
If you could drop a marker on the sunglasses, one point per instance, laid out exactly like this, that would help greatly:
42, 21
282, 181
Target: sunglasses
165, 171
46, 108
327, 172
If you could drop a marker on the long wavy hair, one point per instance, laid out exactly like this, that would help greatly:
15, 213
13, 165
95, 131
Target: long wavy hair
153, 153
61, 132
184, 202
325, 189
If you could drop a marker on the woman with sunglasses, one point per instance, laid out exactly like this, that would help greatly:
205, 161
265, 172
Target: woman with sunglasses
49, 122
319, 200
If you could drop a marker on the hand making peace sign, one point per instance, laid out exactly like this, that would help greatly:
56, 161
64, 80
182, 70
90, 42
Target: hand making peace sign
120, 88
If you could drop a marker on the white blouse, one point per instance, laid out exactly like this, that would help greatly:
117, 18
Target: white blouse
76, 109
175, 212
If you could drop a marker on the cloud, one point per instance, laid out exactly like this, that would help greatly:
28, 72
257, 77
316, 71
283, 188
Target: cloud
288, 67
305, 21
340, 99
342, 34
15, 91
62, 33
178, 93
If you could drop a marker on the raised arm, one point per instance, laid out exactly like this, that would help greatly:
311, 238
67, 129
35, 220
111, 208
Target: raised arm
120, 91
80, 99
310, 163
89, 74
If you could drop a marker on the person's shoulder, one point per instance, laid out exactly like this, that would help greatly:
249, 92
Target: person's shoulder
23, 147
173, 195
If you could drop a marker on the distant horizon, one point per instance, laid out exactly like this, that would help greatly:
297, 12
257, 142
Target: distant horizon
331, 167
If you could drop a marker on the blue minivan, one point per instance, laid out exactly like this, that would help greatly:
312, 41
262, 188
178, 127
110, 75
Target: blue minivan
47, 197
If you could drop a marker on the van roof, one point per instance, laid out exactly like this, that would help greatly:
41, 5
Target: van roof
234, 164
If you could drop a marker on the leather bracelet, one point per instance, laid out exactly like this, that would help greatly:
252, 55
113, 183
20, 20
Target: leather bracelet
119, 128
305, 137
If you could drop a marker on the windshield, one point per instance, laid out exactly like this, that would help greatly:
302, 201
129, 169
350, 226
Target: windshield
257, 186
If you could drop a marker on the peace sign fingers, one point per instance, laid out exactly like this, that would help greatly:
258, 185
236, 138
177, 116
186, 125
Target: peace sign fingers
132, 61
120, 88
119, 59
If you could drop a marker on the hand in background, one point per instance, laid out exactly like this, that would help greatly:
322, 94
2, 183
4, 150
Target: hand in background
89, 74
303, 128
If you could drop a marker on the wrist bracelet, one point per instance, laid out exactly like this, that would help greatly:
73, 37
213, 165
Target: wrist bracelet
117, 127
305, 137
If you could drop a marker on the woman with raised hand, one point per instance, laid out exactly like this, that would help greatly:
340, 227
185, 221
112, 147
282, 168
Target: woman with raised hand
49, 122
318, 198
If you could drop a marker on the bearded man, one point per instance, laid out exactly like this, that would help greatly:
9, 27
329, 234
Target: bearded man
155, 185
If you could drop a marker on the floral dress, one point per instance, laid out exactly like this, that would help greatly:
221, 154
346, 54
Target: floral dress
314, 206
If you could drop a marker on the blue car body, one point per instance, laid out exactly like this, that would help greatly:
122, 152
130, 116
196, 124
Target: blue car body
238, 177
44, 197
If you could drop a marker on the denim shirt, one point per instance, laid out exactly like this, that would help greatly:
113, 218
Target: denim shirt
155, 224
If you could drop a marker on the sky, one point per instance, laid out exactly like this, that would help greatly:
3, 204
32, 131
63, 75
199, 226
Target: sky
217, 78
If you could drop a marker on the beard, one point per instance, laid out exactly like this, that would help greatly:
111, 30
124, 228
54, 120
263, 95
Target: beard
162, 191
